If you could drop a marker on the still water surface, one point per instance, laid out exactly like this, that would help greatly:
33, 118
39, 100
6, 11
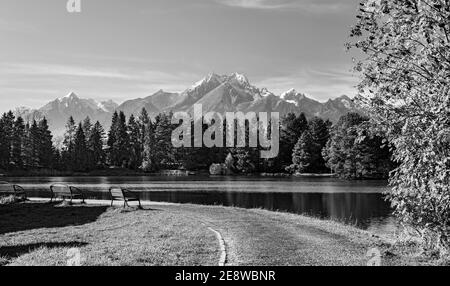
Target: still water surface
355, 202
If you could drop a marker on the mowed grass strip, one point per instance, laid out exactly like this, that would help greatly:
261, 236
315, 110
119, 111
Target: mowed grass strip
42, 234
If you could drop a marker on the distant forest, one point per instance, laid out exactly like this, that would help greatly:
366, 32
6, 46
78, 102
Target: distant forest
141, 144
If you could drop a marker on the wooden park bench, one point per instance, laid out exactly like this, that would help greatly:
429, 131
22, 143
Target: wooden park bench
66, 192
121, 194
10, 189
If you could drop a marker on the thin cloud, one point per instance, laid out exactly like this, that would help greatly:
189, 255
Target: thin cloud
39, 69
59, 70
316, 6
318, 84
13, 26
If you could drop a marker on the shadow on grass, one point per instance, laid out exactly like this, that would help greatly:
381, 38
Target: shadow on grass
8, 253
28, 216
134, 209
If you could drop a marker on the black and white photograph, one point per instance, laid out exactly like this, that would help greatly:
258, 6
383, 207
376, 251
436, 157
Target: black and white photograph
209, 135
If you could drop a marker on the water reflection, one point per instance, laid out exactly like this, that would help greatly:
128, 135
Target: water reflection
355, 208
359, 203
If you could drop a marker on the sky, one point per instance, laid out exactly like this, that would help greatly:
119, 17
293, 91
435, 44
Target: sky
122, 50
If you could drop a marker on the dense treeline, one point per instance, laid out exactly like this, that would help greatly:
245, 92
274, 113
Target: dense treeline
25, 145
145, 144
352, 152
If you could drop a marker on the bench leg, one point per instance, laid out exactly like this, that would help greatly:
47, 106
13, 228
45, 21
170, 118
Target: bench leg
140, 206
112, 202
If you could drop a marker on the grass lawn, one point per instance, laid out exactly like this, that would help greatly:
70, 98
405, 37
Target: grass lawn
42, 233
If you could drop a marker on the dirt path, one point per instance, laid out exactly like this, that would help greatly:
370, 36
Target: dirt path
257, 237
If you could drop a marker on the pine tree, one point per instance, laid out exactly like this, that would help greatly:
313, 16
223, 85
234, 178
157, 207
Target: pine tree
87, 127
45, 148
34, 144
112, 153
144, 124
301, 156
122, 146
292, 127
118, 141
68, 144
146, 129
3, 145
57, 163
320, 134
26, 147
95, 146
7, 126
134, 130
80, 151
162, 154
18, 143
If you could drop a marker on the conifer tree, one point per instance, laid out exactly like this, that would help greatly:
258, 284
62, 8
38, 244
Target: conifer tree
95, 146
45, 144
122, 146
7, 127
18, 143
134, 131
68, 144
292, 127
112, 135
3, 145
87, 127
34, 144
319, 130
301, 156
162, 153
80, 151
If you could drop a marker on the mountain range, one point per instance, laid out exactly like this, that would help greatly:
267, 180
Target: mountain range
219, 93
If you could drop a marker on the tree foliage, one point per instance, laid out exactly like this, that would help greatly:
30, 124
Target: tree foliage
302, 154
353, 153
405, 87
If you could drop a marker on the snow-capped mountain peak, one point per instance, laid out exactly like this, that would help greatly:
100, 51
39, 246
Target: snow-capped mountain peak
289, 94
70, 96
265, 92
107, 106
211, 78
240, 78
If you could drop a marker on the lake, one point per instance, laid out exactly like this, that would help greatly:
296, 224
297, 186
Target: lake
355, 202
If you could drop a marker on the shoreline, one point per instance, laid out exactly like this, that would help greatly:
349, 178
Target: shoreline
249, 236
174, 174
